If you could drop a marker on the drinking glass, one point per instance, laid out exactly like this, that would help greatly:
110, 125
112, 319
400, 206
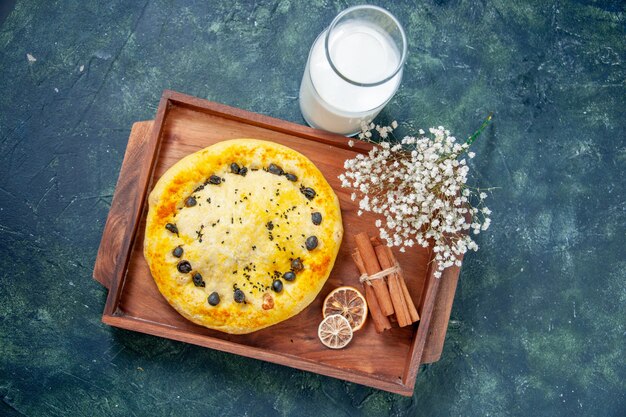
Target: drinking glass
353, 70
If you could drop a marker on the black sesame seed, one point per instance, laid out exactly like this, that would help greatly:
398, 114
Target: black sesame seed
190, 202
239, 296
243, 171
197, 280
308, 192
311, 242
275, 169
214, 299
289, 276
215, 180
316, 218
184, 267
177, 252
172, 228
297, 265
277, 285
269, 225
234, 168
291, 177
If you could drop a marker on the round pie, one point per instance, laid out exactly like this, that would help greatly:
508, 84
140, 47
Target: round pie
242, 235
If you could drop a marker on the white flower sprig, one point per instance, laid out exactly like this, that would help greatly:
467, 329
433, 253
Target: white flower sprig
419, 188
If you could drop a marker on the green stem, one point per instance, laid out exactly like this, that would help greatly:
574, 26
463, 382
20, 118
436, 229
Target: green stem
469, 140
482, 127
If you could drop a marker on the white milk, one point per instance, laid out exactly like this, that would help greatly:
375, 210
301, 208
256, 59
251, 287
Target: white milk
362, 53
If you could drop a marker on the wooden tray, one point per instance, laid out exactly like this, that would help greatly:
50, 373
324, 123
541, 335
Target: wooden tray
186, 124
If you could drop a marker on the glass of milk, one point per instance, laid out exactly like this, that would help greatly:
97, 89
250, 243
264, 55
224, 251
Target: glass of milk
353, 70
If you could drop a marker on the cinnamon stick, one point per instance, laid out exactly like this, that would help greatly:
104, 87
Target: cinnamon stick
407, 296
395, 290
370, 261
381, 322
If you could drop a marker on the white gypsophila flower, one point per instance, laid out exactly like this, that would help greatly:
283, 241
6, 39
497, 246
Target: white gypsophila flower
418, 188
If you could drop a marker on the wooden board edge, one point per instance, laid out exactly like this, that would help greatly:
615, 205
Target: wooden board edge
441, 315
417, 347
266, 122
146, 169
295, 362
117, 219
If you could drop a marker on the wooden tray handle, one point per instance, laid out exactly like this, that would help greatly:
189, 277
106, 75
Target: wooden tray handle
118, 221
441, 315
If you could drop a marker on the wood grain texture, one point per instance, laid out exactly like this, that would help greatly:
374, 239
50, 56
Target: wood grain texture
184, 125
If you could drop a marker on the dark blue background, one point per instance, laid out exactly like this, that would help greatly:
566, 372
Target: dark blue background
539, 320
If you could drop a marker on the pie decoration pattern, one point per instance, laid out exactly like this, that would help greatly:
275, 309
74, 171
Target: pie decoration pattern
242, 235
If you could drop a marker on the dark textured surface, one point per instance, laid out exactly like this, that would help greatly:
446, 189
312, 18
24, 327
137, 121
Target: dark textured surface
539, 321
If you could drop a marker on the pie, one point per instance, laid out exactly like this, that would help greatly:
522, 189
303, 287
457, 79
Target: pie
242, 235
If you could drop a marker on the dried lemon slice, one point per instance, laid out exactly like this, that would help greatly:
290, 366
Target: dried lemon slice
335, 331
348, 302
